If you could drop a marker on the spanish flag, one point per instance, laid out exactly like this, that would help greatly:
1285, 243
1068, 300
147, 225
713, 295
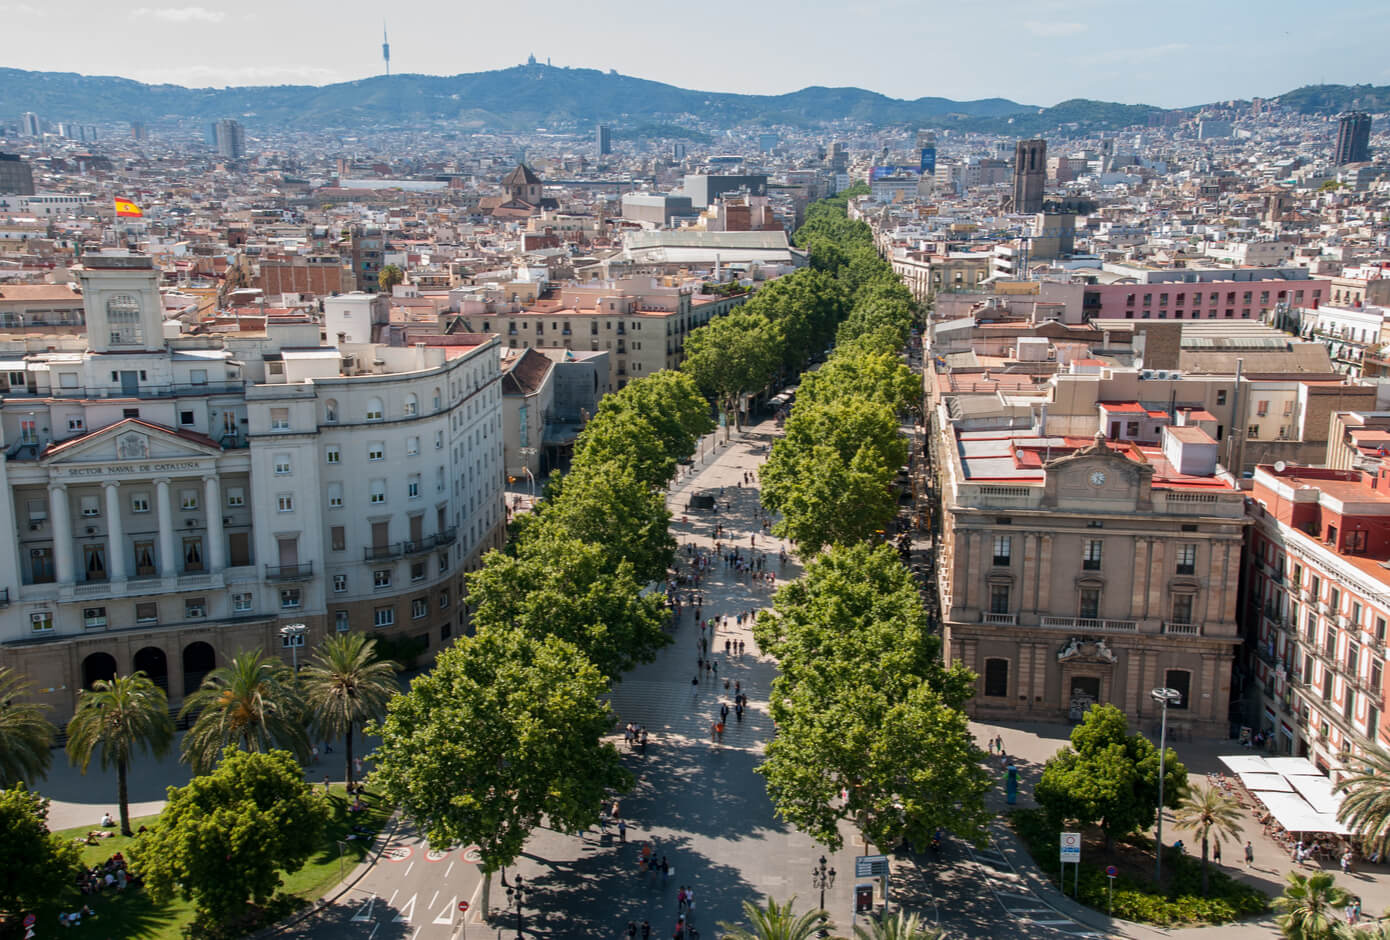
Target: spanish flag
128, 209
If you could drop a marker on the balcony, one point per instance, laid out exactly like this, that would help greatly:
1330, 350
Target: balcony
300, 572
1091, 625
1173, 628
999, 620
383, 552
150, 391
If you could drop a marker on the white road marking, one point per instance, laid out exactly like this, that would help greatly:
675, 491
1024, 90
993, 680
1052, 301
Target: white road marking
446, 916
433, 899
392, 900
448, 871
365, 913
406, 913
408, 868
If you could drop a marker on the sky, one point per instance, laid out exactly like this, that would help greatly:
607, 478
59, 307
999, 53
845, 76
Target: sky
1172, 54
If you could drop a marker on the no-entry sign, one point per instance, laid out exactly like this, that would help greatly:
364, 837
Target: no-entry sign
463, 905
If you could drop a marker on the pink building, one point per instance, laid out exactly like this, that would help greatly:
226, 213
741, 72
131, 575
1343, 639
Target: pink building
1178, 294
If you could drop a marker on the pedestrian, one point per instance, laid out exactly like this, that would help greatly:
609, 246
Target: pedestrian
357, 765
727, 645
738, 712
740, 647
325, 786
991, 746
644, 742
646, 930
314, 752
622, 830
1216, 853
680, 899
665, 870
1249, 853
723, 710
714, 668
1346, 862
632, 930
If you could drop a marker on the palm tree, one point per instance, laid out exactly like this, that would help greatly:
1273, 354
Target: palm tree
120, 715
1308, 904
1210, 815
251, 703
26, 737
902, 927
1366, 808
775, 922
347, 686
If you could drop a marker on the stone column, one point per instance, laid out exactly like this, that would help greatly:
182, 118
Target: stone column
1158, 574
1044, 603
168, 560
60, 514
1028, 574
1139, 583
115, 533
217, 542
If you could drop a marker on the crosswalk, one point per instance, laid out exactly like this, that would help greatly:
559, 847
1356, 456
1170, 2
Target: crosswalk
1013, 895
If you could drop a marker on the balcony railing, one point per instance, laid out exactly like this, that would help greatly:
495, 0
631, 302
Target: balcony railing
300, 572
1182, 629
1000, 620
383, 552
149, 391
408, 547
1092, 624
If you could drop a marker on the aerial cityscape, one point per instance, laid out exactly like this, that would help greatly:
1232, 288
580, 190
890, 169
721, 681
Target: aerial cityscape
802, 495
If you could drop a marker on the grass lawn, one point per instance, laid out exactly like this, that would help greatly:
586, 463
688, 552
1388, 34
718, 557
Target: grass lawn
132, 913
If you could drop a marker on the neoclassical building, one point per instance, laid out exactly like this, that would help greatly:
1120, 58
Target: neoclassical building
1074, 572
175, 499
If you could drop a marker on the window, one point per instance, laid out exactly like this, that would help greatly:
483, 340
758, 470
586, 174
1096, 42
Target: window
77, 423
289, 600
438, 440
195, 608
439, 479
340, 621
1353, 658
374, 409
282, 465
337, 538
188, 500
444, 561
236, 496
41, 621
123, 319
412, 446
193, 554
90, 506
1380, 631
1002, 547
186, 419
444, 599
1221, 396
417, 571
384, 616
412, 406
377, 492
147, 613
1180, 681
999, 598
279, 419
381, 578
93, 617
996, 678
241, 603
339, 583
438, 399
284, 503
1090, 557
1182, 608
1187, 558
412, 486
332, 454
140, 502
1089, 608
198, 376
1355, 614
376, 450
330, 411
419, 608
335, 496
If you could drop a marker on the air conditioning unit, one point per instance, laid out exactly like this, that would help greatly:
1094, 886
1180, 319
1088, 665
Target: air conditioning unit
34, 527
191, 523
91, 530
226, 520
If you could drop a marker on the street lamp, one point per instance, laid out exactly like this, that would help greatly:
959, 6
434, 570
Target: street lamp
822, 878
1164, 697
514, 896
293, 635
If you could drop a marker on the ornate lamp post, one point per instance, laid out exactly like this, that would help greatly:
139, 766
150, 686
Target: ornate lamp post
822, 878
515, 895
1164, 697
293, 635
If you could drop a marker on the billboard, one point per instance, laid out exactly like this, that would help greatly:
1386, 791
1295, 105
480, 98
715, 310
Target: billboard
879, 172
928, 164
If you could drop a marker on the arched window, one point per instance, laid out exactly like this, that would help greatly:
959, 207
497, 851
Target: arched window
123, 319
374, 409
330, 411
997, 678
412, 406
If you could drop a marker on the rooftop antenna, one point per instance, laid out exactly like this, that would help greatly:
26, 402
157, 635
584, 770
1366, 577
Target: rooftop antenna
385, 49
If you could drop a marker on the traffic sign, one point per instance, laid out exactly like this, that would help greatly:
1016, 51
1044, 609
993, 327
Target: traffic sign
463, 905
1111, 871
871, 866
1071, 847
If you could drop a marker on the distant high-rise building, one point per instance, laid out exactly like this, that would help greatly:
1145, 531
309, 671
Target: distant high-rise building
766, 142
16, 178
839, 156
678, 151
138, 130
1353, 138
385, 49
29, 125
1030, 172
603, 139
229, 139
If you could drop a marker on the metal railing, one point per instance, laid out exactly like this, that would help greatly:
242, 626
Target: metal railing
149, 391
300, 572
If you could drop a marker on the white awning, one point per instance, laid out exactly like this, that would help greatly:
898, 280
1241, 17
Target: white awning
1318, 792
1266, 782
1246, 763
1296, 815
1293, 766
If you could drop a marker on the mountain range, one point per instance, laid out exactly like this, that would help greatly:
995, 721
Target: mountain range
526, 97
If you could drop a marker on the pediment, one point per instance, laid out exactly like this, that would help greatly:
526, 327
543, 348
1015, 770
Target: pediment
130, 441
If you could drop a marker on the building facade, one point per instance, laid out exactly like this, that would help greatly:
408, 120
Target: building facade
1353, 138
1030, 175
174, 500
1071, 575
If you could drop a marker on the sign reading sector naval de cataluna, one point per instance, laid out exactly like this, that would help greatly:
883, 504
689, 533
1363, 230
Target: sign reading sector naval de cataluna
139, 468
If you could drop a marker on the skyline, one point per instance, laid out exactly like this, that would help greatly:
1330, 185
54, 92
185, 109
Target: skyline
1060, 49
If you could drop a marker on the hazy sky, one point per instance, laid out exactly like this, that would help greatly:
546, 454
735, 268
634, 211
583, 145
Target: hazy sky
1175, 53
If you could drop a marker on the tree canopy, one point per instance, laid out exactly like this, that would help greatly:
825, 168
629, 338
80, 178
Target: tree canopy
1108, 777
36, 868
224, 839
26, 736
731, 356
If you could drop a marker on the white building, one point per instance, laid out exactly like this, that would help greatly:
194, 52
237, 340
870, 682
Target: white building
176, 500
